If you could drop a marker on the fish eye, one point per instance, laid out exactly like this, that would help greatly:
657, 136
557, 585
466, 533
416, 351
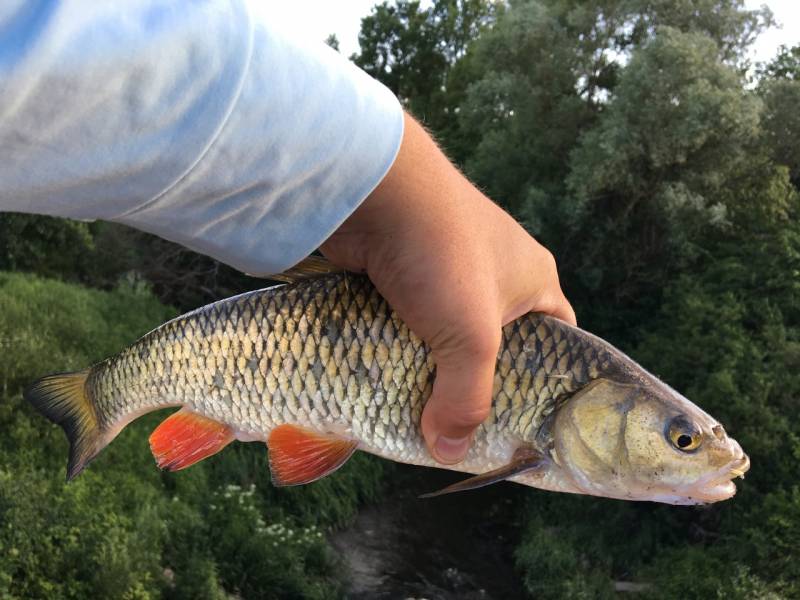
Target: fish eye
683, 434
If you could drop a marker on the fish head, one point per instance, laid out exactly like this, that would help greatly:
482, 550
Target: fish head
641, 440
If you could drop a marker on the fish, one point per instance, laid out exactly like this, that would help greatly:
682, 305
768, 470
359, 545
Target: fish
322, 366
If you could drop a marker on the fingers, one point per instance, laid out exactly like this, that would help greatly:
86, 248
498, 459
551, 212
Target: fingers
552, 302
461, 398
558, 307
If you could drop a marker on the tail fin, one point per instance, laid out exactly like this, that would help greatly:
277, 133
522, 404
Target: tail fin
63, 398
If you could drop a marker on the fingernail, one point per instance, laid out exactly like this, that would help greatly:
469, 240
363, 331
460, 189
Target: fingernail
450, 450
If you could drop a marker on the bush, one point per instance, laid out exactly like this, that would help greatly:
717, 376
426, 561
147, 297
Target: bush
123, 529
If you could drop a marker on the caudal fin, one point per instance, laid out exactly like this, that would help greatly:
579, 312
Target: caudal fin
63, 398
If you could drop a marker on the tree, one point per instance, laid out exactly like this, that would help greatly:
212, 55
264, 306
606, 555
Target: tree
46, 245
779, 86
560, 127
782, 123
522, 112
332, 41
662, 189
786, 65
412, 49
651, 178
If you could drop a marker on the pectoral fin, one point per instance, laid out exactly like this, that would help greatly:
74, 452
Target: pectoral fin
525, 459
298, 455
185, 438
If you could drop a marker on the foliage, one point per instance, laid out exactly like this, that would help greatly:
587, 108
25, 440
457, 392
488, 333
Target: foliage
412, 49
530, 89
560, 571
786, 65
51, 246
103, 255
780, 89
625, 135
333, 41
122, 529
650, 179
782, 123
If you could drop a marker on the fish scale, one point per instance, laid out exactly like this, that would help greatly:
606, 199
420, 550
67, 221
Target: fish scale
328, 353
323, 366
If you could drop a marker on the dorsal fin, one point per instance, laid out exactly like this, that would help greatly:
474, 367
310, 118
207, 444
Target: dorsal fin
311, 266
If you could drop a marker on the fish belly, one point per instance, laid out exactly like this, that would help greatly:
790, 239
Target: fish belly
329, 354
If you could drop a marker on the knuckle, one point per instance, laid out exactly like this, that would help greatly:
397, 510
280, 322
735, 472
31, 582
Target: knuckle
549, 261
558, 305
552, 301
484, 346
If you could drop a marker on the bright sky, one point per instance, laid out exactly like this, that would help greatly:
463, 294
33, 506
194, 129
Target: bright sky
316, 19
787, 13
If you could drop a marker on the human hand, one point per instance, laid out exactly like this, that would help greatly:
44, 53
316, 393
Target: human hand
456, 268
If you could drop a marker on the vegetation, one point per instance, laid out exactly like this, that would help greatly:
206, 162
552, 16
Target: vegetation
627, 136
636, 141
123, 529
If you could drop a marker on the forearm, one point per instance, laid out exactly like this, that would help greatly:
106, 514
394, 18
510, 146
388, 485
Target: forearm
198, 122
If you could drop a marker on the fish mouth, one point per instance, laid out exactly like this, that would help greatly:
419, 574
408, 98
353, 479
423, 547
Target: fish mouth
720, 485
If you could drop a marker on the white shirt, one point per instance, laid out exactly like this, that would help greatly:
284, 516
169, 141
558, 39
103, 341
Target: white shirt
196, 121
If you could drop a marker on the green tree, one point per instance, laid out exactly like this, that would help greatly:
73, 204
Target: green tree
781, 122
786, 65
651, 178
523, 111
608, 127
625, 136
546, 71
412, 49
45, 245
332, 41
779, 86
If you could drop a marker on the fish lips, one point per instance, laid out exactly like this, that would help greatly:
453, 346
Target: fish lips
719, 485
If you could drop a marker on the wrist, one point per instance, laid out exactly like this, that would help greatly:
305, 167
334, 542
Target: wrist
411, 202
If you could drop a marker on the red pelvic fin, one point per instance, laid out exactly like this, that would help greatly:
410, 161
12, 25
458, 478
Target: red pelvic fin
185, 438
298, 455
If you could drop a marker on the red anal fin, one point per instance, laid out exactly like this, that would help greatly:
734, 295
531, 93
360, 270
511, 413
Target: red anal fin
298, 455
185, 438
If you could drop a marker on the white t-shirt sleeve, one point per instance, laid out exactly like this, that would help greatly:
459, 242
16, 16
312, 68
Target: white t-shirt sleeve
197, 121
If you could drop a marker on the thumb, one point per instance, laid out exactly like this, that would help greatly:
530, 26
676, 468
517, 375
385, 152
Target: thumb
461, 397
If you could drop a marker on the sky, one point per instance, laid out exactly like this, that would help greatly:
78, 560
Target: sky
787, 13
316, 19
